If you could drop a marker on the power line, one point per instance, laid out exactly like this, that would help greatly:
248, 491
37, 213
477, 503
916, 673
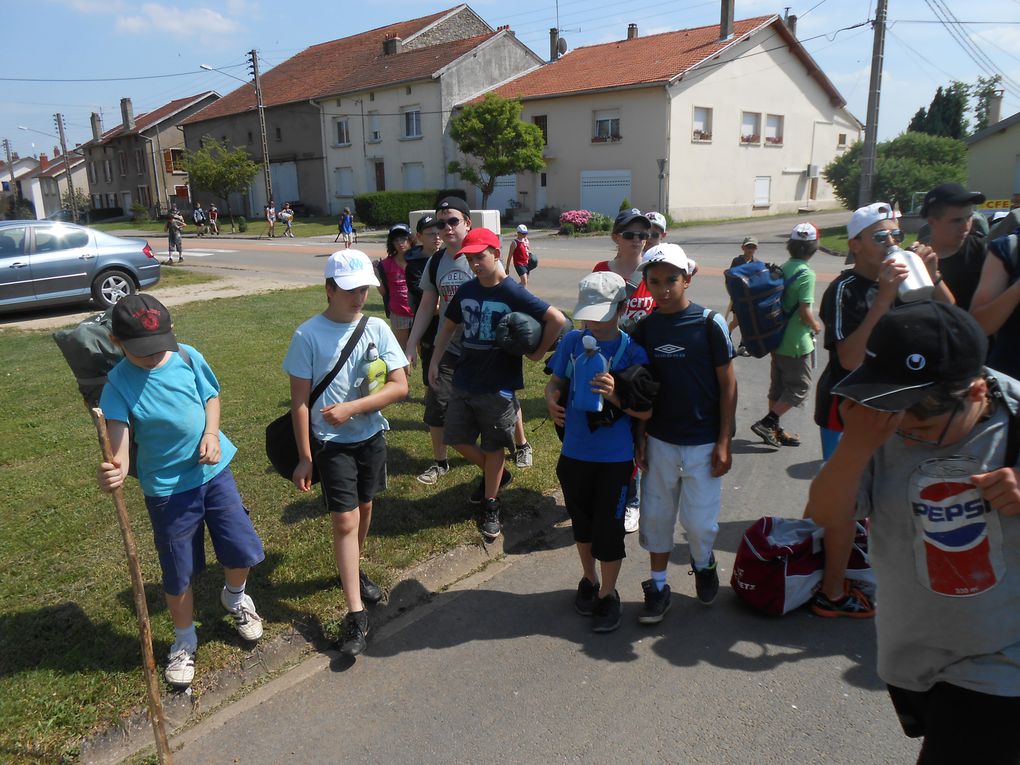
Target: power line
102, 79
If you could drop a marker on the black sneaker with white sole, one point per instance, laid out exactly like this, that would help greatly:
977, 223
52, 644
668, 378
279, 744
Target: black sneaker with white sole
479, 493
488, 520
656, 602
354, 637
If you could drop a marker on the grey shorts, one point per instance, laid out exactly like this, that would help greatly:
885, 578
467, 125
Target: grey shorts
791, 379
489, 415
437, 397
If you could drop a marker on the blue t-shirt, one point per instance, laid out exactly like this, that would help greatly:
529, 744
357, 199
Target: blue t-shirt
314, 351
684, 351
610, 443
484, 367
165, 408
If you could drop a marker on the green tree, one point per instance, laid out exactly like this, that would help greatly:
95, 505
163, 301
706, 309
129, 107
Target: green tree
220, 169
909, 163
82, 203
982, 92
946, 115
494, 141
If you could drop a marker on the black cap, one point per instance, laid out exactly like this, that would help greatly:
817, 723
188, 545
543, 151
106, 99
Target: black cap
626, 217
400, 229
914, 347
142, 324
454, 203
425, 221
950, 194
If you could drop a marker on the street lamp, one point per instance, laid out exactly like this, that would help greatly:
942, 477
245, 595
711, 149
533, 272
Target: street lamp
67, 164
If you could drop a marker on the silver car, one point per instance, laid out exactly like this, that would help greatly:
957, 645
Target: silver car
45, 263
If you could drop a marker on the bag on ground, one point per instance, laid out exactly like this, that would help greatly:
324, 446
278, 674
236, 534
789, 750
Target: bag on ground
756, 290
780, 560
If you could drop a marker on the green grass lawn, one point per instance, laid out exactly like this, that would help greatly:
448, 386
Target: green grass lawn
69, 655
181, 277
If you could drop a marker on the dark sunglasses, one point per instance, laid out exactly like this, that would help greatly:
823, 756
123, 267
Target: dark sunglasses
881, 236
655, 235
452, 222
632, 235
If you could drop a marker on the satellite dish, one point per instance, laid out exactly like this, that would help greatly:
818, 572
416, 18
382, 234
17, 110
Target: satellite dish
561, 46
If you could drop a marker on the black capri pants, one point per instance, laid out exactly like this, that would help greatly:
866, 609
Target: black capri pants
595, 494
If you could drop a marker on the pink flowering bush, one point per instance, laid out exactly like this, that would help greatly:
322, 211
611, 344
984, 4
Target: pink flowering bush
579, 219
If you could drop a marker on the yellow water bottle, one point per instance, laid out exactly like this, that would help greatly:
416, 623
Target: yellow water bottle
373, 375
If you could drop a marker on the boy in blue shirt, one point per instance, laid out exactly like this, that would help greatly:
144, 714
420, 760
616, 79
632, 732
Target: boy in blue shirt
343, 430
596, 464
483, 406
166, 397
685, 449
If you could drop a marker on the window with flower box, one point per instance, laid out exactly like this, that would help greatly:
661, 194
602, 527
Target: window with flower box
750, 128
774, 130
607, 126
702, 129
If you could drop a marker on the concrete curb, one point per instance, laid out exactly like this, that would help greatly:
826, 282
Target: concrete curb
302, 650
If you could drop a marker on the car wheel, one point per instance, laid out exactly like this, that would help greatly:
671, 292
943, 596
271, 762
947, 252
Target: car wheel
111, 286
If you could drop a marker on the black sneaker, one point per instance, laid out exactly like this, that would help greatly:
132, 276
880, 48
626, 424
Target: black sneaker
488, 520
706, 581
608, 613
479, 493
586, 597
370, 591
354, 637
656, 603
765, 432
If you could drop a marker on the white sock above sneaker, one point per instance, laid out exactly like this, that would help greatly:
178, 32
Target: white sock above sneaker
185, 638
232, 596
659, 577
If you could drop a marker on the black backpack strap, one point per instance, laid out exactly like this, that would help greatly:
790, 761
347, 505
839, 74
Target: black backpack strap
344, 355
1013, 422
433, 267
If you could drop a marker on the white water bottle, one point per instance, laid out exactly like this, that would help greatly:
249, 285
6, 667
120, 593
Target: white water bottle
918, 284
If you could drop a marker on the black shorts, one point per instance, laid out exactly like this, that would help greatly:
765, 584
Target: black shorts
959, 725
437, 397
521, 270
595, 494
351, 474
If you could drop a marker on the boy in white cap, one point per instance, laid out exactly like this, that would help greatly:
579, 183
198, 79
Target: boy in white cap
342, 430
791, 361
684, 449
596, 463
519, 254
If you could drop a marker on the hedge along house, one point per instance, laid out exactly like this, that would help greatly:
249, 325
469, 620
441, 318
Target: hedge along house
713, 122
368, 112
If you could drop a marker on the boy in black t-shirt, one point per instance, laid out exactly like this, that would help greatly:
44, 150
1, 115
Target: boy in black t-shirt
483, 406
684, 449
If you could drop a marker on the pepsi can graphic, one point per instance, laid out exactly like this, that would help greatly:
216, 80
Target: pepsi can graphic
958, 539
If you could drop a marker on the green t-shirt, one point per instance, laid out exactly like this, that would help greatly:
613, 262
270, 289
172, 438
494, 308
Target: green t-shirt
797, 339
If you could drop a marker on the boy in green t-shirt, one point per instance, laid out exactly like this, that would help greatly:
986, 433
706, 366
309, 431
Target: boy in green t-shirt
791, 361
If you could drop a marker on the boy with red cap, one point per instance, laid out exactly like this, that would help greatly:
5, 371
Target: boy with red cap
483, 406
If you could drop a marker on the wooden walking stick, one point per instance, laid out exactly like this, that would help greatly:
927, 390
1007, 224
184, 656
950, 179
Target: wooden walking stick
138, 589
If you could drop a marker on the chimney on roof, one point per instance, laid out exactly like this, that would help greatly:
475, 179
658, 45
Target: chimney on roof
44, 161
14, 156
554, 44
97, 126
632, 32
56, 151
791, 22
391, 46
726, 20
995, 107
127, 114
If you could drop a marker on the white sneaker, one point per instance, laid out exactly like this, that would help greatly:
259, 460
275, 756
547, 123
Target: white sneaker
180, 666
631, 517
247, 623
524, 457
433, 473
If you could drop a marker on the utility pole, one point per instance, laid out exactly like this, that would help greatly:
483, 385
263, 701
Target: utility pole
10, 167
871, 126
59, 119
262, 123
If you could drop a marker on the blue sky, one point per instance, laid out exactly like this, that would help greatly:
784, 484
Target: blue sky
65, 39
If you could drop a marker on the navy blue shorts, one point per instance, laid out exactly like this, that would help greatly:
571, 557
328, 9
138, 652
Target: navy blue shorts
178, 526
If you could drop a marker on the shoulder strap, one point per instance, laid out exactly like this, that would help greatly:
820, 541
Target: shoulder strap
434, 268
618, 356
1013, 440
344, 355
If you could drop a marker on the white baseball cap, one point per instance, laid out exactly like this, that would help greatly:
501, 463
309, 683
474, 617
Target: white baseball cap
522, 229
667, 252
351, 269
869, 215
598, 295
804, 232
657, 219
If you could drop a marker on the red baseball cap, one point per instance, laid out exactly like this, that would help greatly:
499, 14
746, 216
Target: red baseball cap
477, 240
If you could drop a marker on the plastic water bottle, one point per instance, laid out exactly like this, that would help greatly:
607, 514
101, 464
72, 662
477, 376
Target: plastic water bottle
373, 371
918, 284
586, 366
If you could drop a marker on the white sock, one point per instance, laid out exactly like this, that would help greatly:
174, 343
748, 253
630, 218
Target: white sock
233, 595
185, 638
659, 577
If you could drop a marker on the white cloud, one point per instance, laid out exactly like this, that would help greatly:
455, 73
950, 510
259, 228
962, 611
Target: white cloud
153, 17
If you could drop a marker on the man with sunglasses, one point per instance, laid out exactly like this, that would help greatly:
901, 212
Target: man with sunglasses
851, 307
929, 453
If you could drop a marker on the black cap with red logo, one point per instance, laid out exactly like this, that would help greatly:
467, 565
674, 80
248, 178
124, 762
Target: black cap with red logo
142, 324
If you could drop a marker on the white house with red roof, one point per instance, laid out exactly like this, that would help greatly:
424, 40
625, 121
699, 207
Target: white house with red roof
713, 122
46, 185
369, 112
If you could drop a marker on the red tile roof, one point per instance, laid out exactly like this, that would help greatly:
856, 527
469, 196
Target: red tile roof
344, 66
628, 63
56, 167
147, 120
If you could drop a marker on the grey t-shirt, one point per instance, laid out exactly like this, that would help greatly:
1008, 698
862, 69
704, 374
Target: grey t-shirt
452, 272
947, 566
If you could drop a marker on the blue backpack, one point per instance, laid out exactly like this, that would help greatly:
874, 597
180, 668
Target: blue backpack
756, 290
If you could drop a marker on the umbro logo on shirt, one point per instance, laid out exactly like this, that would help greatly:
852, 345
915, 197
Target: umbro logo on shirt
670, 351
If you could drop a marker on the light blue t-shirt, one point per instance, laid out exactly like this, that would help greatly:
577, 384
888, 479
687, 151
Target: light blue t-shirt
314, 350
165, 407
611, 443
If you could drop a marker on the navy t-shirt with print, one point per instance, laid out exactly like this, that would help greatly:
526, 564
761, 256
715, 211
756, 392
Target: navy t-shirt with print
484, 367
684, 351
